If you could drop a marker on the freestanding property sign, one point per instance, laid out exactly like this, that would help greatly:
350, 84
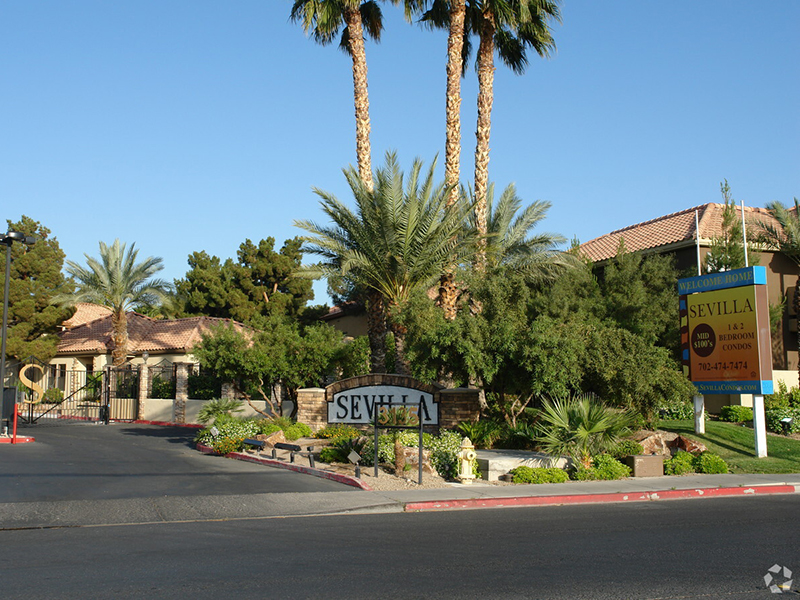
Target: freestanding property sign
725, 335
357, 405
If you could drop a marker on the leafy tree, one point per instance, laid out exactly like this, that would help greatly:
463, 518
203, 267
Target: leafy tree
259, 283
281, 353
34, 279
118, 282
640, 295
398, 240
323, 19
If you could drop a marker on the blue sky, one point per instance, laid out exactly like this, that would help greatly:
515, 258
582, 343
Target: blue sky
187, 125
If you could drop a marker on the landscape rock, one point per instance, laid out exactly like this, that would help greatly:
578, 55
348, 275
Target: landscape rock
686, 444
654, 442
273, 438
411, 456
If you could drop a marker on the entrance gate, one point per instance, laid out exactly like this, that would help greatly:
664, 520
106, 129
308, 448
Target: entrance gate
49, 393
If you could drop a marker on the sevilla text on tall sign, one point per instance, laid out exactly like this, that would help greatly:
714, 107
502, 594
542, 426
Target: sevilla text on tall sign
725, 337
358, 405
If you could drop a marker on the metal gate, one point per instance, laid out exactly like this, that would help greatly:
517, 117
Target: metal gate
49, 393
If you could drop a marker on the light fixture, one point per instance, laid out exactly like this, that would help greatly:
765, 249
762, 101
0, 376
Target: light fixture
8, 239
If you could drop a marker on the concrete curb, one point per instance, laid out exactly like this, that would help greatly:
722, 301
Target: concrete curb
21, 439
282, 464
473, 503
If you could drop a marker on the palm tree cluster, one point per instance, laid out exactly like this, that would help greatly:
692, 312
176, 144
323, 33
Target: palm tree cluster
403, 234
507, 28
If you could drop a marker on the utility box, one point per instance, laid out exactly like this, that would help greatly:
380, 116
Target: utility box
645, 465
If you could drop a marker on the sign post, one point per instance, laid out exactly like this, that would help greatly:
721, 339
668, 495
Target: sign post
725, 340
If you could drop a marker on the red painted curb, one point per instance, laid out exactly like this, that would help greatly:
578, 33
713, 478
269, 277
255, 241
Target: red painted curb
21, 439
597, 498
282, 464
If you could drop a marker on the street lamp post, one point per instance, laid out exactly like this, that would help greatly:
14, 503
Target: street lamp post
7, 240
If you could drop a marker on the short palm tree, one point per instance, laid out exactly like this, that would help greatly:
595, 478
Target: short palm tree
510, 243
398, 239
324, 19
580, 427
118, 282
784, 236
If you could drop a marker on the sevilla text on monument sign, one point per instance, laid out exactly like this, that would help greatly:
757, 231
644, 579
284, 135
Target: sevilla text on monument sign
358, 405
725, 334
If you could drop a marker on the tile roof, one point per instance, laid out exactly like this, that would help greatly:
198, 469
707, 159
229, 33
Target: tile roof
85, 312
673, 229
144, 334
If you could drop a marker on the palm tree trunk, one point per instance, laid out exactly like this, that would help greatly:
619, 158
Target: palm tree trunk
448, 295
455, 62
376, 331
400, 362
360, 95
485, 99
119, 337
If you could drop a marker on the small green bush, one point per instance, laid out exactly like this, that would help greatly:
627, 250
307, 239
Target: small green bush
783, 397
53, 396
267, 426
162, 388
212, 410
774, 416
680, 464
330, 454
483, 433
338, 430
709, 463
297, 431
626, 448
680, 410
736, 414
604, 467
538, 475
227, 427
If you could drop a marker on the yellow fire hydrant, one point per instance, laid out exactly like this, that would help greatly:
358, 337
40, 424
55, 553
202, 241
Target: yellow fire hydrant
466, 456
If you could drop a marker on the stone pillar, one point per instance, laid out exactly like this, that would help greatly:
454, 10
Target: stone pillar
144, 390
181, 392
312, 409
699, 414
457, 405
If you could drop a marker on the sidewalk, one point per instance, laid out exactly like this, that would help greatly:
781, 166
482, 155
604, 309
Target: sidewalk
485, 495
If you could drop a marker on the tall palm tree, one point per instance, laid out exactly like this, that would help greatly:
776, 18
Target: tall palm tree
323, 19
784, 236
398, 239
508, 27
118, 282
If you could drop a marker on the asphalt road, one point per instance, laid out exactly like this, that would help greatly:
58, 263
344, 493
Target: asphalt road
76, 461
709, 549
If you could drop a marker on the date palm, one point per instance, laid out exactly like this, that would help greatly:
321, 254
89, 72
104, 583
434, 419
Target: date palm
117, 281
509, 28
398, 239
324, 19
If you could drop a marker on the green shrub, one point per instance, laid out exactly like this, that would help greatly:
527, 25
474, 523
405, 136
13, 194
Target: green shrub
680, 464
204, 386
162, 388
483, 433
736, 414
679, 410
330, 454
227, 427
774, 416
212, 410
282, 422
538, 475
297, 431
626, 448
338, 430
604, 467
227, 445
783, 397
266, 426
53, 396
709, 463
